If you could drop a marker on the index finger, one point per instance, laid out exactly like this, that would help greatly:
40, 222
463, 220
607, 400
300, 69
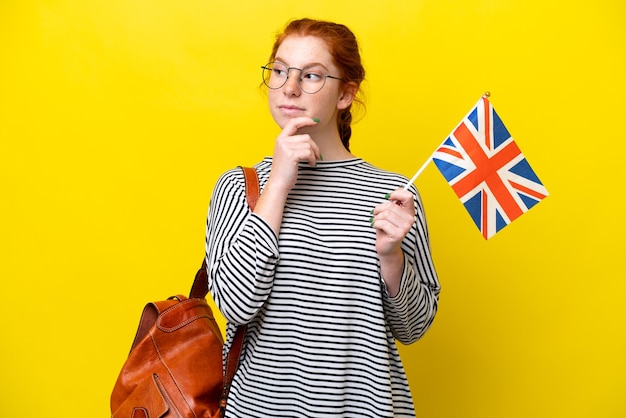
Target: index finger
401, 196
291, 128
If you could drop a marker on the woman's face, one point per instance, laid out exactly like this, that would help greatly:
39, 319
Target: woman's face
290, 101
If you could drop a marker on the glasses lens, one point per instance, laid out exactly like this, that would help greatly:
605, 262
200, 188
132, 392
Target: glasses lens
312, 79
275, 75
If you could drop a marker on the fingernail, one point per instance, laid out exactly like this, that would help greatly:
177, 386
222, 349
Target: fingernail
388, 195
371, 220
321, 157
372, 212
316, 120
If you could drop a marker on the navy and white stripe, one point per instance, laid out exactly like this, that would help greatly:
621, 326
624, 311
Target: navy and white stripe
321, 325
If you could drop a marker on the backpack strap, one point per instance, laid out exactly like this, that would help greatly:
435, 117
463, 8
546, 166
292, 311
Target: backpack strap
234, 354
200, 288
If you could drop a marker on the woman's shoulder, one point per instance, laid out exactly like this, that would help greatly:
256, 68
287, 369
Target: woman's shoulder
230, 177
392, 179
378, 174
234, 177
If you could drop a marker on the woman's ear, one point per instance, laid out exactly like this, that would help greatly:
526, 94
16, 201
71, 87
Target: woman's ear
347, 96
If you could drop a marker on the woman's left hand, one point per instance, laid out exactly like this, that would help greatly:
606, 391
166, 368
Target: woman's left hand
392, 220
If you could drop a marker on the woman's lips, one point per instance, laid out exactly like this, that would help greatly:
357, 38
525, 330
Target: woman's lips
291, 110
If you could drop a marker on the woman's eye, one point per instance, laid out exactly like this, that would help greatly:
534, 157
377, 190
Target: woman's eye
280, 72
312, 76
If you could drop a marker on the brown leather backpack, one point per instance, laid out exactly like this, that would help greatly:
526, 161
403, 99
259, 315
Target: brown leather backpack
175, 368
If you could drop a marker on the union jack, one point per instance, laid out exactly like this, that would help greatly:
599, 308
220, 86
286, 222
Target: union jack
487, 170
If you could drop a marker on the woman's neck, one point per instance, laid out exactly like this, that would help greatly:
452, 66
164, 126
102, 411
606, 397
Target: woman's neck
331, 147
336, 155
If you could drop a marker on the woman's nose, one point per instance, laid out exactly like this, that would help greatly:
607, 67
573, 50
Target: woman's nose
292, 86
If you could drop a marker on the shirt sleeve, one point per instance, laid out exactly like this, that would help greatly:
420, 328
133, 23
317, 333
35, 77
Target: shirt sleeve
411, 312
241, 251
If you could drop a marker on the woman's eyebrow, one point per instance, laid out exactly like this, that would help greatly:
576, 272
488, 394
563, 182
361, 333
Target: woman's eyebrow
312, 64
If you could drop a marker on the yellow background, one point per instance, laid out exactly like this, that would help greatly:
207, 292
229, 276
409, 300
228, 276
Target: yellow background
118, 116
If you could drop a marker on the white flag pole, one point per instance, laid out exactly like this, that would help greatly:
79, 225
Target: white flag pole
416, 175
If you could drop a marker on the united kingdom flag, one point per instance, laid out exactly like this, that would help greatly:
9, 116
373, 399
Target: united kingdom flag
487, 170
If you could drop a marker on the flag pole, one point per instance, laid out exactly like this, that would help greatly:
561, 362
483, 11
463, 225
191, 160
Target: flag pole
416, 175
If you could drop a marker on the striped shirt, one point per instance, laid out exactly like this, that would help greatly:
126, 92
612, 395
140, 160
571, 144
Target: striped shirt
321, 325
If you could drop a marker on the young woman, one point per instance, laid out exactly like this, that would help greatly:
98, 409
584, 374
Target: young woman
330, 268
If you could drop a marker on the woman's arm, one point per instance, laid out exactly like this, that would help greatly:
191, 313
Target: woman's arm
406, 266
242, 247
241, 251
393, 221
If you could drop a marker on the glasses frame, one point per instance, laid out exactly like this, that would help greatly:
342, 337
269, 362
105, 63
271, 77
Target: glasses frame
269, 68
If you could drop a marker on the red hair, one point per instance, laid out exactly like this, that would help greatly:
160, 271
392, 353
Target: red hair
343, 47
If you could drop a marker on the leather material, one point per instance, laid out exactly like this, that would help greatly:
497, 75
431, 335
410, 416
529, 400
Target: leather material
253, 190
175, 370
175, 366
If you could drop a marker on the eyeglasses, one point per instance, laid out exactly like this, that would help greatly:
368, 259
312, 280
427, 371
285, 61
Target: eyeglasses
311, 80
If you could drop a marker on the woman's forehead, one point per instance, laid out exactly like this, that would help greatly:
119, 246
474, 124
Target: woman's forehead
302, 51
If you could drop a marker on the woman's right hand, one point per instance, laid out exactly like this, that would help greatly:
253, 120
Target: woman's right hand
290, 149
